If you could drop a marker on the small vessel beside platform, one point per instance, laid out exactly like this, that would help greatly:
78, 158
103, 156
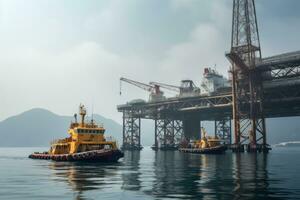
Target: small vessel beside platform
208, 150
86, 143
207, 145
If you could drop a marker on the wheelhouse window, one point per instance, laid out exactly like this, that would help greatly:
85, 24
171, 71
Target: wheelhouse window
90, 131
80, 131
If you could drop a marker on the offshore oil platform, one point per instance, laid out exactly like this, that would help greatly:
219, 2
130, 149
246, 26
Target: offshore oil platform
258, 88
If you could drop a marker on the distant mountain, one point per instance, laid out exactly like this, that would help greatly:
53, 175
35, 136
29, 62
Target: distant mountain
37, 127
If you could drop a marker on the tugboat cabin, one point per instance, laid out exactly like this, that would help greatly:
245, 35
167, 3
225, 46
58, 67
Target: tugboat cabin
83, 137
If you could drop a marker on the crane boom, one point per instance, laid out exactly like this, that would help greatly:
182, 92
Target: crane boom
143, 86
155, 93
166, 86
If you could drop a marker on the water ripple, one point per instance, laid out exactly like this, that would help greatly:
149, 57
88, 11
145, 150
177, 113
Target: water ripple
153, 175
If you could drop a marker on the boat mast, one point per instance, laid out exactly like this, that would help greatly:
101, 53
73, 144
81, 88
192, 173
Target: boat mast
82, 112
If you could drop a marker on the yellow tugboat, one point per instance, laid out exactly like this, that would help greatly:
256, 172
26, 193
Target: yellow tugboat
86, 143
207, 145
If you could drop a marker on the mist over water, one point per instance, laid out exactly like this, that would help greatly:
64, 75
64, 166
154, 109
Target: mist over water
153, 175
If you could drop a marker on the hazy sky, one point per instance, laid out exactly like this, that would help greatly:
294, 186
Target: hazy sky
55, 54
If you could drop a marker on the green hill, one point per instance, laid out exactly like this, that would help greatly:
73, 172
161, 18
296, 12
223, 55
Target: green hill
37, 127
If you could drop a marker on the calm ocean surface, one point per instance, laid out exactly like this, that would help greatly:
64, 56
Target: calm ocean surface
153, 175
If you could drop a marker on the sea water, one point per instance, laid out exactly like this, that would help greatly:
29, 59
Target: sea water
153, 175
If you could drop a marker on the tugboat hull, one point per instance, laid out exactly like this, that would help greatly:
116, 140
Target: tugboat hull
90, 156
210, 150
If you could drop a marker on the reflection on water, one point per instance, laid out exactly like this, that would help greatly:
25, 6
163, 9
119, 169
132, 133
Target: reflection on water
131, 176
83, 177
170, 174
250, 176
228, 176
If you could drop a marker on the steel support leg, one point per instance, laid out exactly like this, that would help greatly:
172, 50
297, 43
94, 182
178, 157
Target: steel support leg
168, 134
223, 130
245, 54
131, 132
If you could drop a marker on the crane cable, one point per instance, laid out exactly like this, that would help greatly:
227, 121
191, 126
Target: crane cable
120, 88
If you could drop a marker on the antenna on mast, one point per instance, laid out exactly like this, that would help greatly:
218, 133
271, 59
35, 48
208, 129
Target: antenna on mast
75, 116
92, 112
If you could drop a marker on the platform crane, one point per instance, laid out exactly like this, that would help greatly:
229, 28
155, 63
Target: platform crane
155, 93
186, 89
167, 86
